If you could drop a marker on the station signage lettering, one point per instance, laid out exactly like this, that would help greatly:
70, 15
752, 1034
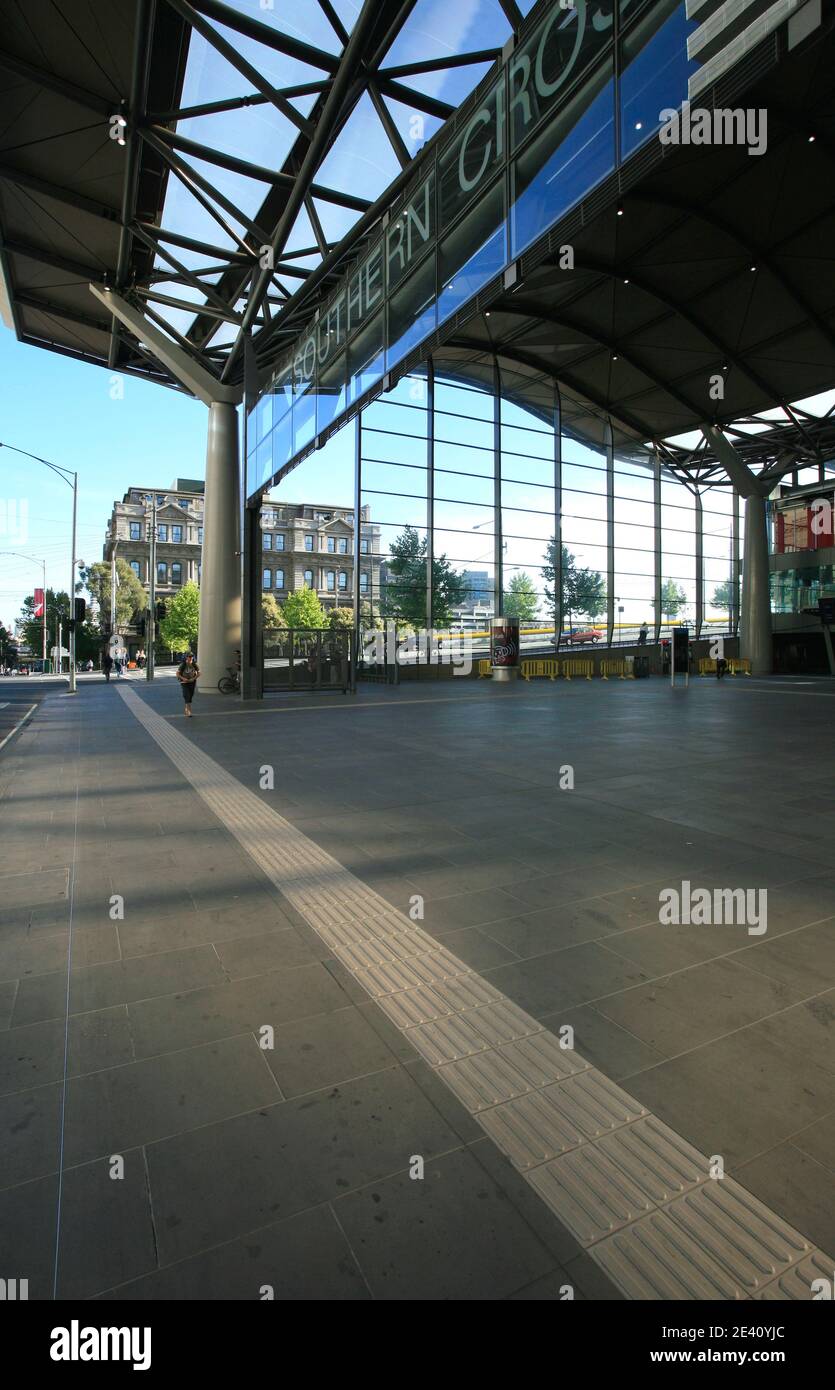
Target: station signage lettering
534, 80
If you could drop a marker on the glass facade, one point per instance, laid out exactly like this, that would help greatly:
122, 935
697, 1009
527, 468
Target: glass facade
584, 88
485, 504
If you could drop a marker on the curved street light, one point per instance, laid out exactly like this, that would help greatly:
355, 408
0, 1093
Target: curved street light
66, 474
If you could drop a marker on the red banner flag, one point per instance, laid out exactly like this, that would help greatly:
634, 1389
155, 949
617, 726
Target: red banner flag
39, 603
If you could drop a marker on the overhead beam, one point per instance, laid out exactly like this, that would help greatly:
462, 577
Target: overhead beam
188, 371
236, 60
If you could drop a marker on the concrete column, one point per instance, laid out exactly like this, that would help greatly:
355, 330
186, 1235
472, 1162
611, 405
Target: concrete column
755, 618
220, 594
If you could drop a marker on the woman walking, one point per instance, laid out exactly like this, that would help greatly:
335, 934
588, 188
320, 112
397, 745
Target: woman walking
187, 673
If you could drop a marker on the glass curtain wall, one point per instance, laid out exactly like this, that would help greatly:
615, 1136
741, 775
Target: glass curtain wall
474, 504
529, 444
678, 554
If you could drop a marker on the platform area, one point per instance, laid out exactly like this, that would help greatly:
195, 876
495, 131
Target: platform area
371, 997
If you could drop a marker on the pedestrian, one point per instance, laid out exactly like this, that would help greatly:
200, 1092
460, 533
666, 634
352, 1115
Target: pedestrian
642, 635
187, 673
107, 664
721, 667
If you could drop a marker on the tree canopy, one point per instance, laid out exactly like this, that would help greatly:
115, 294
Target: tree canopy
178, 629
406, 590
303, 609
521, 600
131, 597
583, 590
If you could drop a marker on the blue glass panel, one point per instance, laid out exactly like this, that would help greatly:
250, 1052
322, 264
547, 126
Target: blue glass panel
282, 442
473, 253
412, 312
332, 396
549, 185
654, 79
304, 418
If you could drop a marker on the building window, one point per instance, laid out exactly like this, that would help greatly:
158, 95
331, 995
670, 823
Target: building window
136, 567
136, 530
199, 571
177, 535
330, 581
363, 547
160, 499
268, 579
308, 578
343, 545
308, 542
162, 532
279, 579
343, 579
200, 535
176, 573
162, 572
279, 541
331, 545
268, 541
363, 582
183, 502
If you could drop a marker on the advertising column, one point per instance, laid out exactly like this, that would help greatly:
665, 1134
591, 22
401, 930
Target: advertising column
504, 649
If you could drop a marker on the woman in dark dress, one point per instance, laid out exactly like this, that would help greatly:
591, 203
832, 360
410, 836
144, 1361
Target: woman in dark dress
187, 673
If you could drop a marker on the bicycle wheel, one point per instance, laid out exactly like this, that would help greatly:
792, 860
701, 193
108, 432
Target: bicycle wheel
227, 686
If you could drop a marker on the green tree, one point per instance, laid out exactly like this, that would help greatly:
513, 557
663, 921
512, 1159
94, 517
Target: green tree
341, 618
368, 618
271, 614
57, 610
179, 628
406, 593
673, 598
131, 597
521, 600
583, 590
303, 609
723, 595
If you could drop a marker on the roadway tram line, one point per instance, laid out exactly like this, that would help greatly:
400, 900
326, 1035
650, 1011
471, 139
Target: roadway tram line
634, 1194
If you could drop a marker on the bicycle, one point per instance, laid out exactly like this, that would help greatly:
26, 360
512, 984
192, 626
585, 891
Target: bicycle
231, 684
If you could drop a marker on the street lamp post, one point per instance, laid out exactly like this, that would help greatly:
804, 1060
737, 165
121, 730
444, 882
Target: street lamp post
66, 474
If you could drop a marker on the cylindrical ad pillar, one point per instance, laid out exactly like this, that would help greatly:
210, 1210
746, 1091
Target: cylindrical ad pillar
504, 649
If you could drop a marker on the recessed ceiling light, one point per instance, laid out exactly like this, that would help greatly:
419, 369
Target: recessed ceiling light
626, 281
639, 125
620, 212
614, 357
753, 267
811, 139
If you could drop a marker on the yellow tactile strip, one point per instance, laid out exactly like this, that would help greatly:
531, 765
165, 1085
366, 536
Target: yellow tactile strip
633, 1193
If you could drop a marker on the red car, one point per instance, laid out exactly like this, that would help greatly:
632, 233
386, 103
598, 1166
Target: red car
579, 635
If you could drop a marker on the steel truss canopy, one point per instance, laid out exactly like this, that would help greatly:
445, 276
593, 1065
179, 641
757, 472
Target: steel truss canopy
223, 167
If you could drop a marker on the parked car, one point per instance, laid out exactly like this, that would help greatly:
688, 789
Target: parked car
579, 635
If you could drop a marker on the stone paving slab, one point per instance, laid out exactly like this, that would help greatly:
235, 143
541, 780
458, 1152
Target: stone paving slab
243, 1164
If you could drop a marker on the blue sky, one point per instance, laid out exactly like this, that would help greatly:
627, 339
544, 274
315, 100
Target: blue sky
63, 411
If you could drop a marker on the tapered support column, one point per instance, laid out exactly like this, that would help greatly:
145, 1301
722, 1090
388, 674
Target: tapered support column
755, 618
220, 594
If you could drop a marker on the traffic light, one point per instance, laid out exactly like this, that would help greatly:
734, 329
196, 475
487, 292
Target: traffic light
80, 610
159, 611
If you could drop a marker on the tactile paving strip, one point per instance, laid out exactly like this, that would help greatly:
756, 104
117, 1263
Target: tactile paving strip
633, 1193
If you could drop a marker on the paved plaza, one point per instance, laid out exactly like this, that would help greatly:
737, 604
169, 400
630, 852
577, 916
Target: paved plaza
157, 1143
